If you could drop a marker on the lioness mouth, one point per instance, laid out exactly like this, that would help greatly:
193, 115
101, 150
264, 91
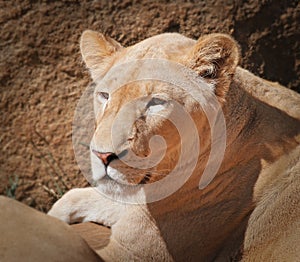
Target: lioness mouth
145, 179
107, 177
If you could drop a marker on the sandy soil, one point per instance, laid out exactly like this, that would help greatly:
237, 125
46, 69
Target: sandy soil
42, 75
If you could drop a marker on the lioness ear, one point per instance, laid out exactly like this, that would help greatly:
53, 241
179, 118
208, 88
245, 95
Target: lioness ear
97, 51
215, 58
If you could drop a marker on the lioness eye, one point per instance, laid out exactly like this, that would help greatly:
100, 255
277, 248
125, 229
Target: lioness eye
102, 96
155, 101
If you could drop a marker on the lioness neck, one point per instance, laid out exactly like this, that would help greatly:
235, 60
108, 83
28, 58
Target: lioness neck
218, 219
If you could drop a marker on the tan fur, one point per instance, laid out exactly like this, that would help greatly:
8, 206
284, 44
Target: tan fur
273, 234
29, 235
249, 211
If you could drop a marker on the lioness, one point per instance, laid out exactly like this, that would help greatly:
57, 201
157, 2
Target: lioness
250, 211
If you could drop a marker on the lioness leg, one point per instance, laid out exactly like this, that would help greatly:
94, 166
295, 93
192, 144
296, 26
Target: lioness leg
135, 237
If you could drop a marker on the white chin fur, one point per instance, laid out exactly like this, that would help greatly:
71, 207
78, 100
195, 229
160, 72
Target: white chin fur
98, 169
116, 175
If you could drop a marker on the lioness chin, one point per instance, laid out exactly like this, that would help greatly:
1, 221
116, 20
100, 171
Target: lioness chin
250, 210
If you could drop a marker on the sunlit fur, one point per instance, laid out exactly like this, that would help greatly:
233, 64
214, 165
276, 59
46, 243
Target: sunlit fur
251, 209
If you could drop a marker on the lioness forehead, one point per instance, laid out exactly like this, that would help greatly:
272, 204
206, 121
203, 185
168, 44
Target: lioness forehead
170, 46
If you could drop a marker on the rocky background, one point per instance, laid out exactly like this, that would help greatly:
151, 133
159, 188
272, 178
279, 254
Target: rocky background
42, 75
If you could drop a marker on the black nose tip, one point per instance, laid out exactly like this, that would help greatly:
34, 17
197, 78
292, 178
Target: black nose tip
106, 157
111, 157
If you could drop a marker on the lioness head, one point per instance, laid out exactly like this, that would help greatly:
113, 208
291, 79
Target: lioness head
131, 120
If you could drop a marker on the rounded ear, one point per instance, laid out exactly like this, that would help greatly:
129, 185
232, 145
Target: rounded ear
215, 58
97, 51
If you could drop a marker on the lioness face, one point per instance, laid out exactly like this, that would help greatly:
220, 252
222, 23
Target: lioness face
126, 120
135, 141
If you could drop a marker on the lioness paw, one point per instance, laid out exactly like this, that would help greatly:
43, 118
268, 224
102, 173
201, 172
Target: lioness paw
86, 205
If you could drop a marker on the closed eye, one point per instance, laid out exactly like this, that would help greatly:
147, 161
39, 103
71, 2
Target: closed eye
102, 96
155, 101
155, 105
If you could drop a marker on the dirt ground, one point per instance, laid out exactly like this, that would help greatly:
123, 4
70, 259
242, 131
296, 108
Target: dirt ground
42, 75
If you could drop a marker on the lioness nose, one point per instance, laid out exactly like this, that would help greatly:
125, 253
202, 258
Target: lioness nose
106, 157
